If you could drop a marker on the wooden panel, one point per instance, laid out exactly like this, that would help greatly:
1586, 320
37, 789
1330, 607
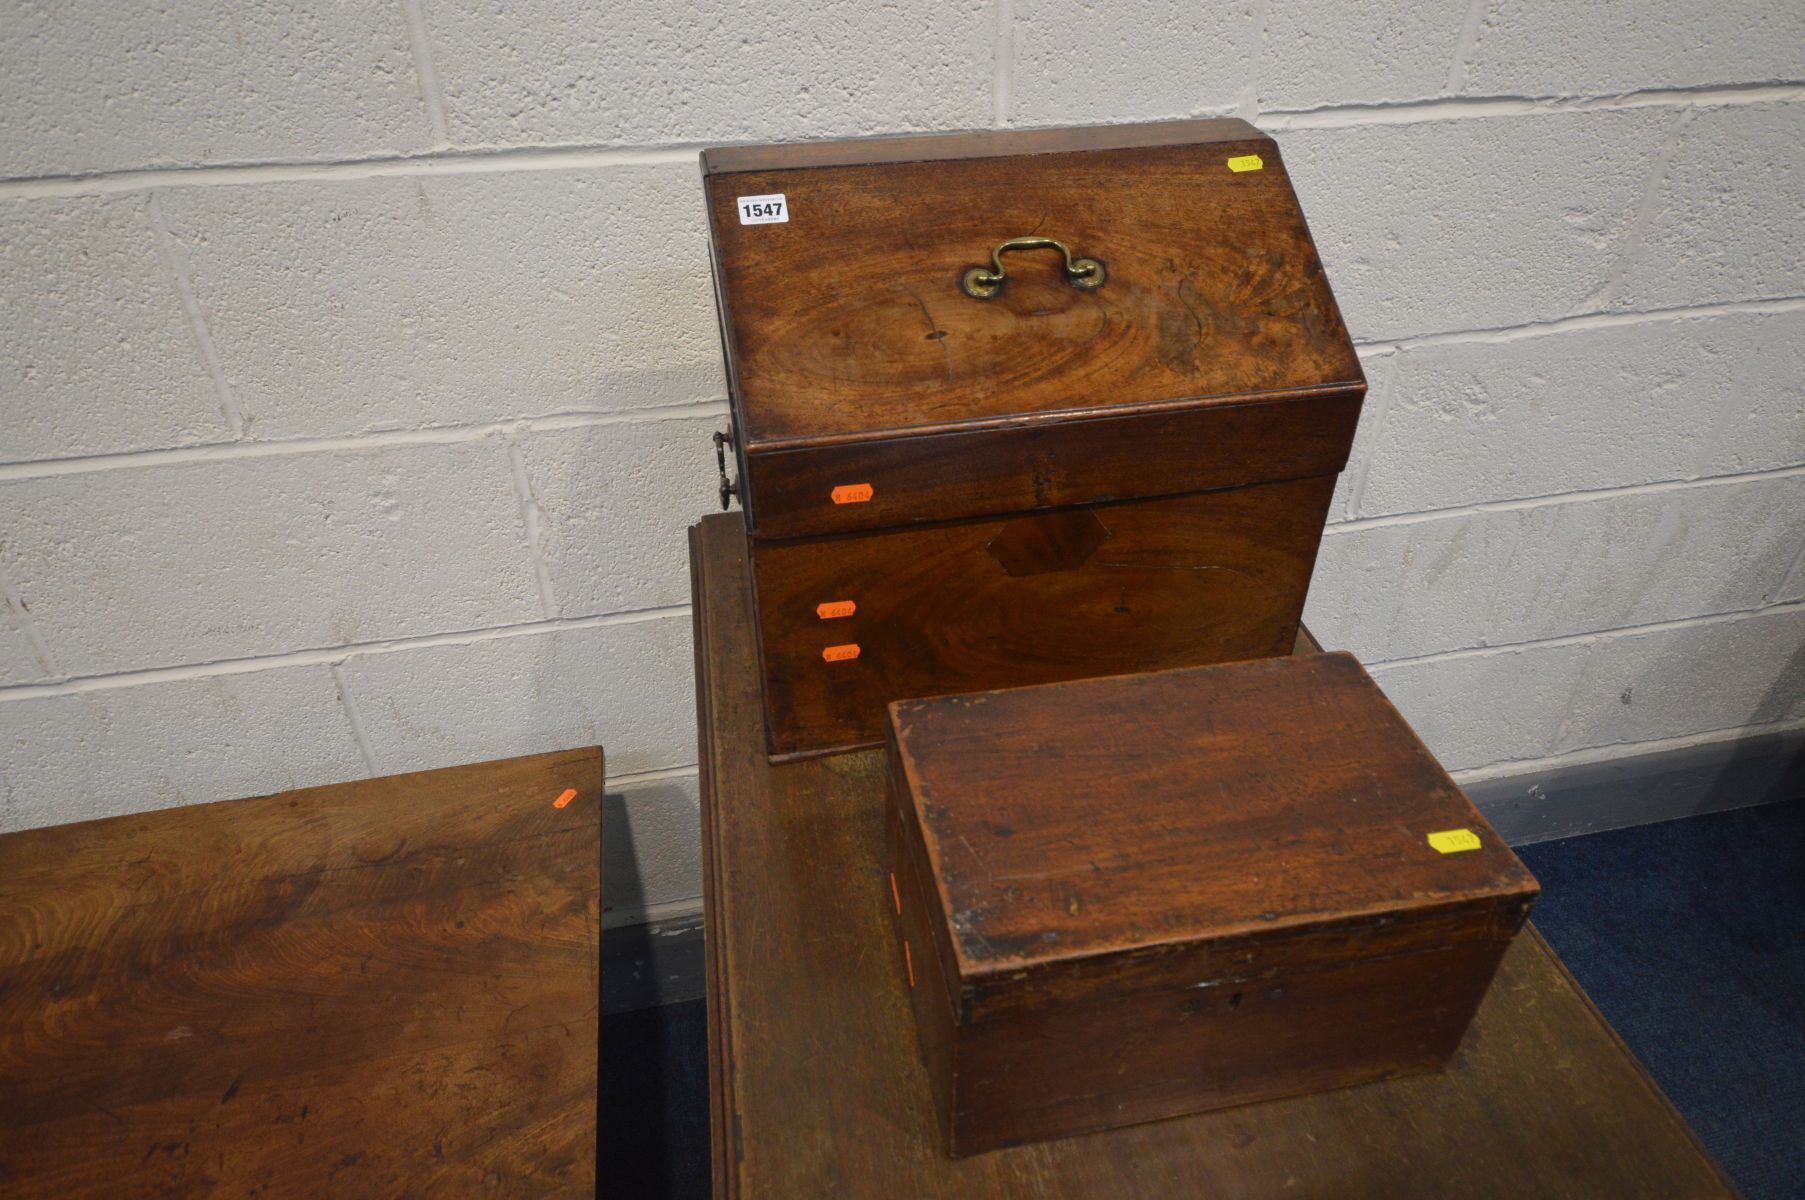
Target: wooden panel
1048, 464
849, 319
1288, 794
1159, 894
386, 987
1054, 1071
820, 1090
946, 608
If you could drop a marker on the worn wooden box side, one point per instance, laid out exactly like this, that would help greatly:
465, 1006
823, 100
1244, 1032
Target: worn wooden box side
847, 333
1033, 599
1170, 893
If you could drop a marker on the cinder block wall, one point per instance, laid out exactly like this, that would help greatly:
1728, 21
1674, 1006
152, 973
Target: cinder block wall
358, 363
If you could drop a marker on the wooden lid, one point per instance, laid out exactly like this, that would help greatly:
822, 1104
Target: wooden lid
846, 319
1251, 799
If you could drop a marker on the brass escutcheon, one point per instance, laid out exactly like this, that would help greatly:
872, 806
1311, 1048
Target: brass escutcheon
982, 283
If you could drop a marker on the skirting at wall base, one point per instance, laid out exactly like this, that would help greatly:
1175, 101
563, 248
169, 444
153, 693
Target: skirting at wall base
662, 962
1544, 803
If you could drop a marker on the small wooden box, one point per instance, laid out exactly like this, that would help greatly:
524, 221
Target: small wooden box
1135, 897
1011, 408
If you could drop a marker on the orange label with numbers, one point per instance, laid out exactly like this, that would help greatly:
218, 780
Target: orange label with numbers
852, 493
841, 653
835, 608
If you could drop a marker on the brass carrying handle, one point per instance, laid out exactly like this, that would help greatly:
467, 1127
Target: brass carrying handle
981, 284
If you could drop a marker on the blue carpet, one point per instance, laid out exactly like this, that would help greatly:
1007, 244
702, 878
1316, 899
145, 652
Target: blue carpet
1690, 937
653, 1131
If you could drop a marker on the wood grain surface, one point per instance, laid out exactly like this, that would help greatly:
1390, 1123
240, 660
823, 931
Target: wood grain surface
1214, 289
1156, 894
847, 334
380, 988
1029, 599
1247, 801
1050, 464
819, 1091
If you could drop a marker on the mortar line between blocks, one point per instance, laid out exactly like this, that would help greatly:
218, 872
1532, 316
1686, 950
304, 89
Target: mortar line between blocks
1581, 496
1465, 47
478, 159
353, 717
473, 161
1730, 617
1449, 108
1614, 750
1580, 322
431, 94
326, 656
176, 263
533, 526
1002, 63
432, 435
1247, 106
633, 778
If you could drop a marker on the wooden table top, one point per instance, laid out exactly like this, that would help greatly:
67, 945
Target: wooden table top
818, 1091
381, 988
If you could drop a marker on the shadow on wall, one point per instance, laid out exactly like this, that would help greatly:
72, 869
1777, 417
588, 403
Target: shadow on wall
1741, 677
623, 891
1746, 674
645, 962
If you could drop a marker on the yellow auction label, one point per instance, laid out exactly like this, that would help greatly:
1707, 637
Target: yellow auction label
1453, 841
1246, 162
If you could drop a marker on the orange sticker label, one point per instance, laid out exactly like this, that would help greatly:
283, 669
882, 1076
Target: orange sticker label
852, 493
566, 797
835, 608
894, 894
841, 653
909, 961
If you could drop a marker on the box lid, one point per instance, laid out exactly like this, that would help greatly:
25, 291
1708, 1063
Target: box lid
849, 277
1257, 802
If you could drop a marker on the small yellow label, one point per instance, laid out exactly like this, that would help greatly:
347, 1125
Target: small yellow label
1453, 841
1246, 162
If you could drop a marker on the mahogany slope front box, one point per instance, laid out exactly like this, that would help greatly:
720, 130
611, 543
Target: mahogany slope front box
1011, 408
1136, 897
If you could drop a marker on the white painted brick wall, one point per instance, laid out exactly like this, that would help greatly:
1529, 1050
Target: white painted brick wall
643, 72
357, 364
101, 87
1470, 224
457, 300
97, 355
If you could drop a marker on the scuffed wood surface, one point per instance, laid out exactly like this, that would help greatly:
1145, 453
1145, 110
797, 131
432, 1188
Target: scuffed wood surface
380, 988
1036, 598
817, 1088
